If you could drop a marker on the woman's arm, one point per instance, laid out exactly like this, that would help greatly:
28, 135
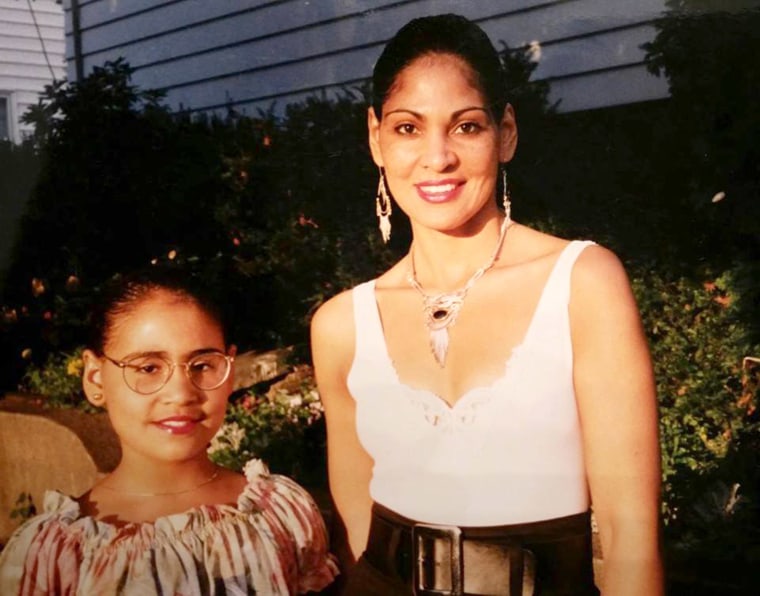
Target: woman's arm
615, 389
349, 465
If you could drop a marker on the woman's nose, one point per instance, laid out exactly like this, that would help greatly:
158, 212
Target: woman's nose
439, 154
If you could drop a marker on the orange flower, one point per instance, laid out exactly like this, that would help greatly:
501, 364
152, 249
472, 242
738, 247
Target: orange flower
723, 300
38, 287
72, 283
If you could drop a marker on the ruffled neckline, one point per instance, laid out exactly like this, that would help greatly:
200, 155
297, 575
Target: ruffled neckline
69, 513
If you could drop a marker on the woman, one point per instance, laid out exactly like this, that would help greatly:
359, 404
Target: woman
495, 383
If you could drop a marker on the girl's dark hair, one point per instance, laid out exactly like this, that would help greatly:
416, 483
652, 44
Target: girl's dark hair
441, 34
123, 293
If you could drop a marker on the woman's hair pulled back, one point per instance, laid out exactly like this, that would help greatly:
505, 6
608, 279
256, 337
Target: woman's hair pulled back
124, 293
441, 34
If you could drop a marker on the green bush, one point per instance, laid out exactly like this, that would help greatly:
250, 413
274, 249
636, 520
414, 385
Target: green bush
58, 380
710, 432
285, 429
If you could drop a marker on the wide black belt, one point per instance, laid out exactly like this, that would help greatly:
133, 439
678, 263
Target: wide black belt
546, 557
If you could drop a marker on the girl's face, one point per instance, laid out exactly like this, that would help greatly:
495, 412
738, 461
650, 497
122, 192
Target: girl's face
439, 144
177, 422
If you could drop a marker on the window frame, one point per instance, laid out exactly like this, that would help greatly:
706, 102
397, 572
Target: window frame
10, 116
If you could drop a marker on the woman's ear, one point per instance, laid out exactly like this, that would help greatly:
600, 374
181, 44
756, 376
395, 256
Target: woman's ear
91, 379
507, 134
373, 128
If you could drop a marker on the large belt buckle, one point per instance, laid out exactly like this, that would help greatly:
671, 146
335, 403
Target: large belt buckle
424, 540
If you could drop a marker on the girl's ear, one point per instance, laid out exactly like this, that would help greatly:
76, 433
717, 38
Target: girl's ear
232, 351
373, 128
91, 379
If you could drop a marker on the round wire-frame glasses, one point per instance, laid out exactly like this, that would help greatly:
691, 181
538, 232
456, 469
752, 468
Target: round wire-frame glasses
148, 373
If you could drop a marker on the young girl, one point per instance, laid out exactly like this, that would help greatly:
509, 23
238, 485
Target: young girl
167, 520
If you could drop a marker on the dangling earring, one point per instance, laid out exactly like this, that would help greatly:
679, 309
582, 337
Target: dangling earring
383, 208
506, 200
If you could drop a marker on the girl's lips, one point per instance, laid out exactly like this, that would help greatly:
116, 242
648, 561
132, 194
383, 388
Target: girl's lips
178, 425
439, 191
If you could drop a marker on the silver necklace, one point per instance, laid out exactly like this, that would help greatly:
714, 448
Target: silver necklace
442, 310
166, 494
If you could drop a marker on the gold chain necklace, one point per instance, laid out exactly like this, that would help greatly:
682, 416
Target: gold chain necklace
441, 310
208, 480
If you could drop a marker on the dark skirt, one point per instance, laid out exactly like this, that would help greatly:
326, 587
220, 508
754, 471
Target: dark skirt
558, 556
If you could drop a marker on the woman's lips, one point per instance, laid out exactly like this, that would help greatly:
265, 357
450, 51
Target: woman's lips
439, 191
178, 425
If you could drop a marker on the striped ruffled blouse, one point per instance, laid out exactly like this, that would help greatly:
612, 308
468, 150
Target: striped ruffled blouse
273, 542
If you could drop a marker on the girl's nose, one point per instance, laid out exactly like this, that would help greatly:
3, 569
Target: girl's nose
179, 389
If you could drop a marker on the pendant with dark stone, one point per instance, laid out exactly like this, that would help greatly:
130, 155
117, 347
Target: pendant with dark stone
440, 314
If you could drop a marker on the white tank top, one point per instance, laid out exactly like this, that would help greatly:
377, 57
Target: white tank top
507, 453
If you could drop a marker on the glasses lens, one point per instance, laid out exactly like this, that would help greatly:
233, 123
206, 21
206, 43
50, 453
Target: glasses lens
208, 371
147, 374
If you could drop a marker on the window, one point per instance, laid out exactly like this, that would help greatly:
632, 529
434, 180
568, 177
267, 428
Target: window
5, 124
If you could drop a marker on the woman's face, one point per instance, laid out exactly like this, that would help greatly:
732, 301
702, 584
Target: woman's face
177, 422
439, 144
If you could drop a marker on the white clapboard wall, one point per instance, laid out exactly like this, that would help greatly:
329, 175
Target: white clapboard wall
247, 54
31, 56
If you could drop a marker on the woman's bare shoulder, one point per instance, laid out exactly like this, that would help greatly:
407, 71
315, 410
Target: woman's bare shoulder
525, 245
333, 336
598, 267
334, 310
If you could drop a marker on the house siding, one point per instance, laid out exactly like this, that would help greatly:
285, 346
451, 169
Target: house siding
29, 59
257, 54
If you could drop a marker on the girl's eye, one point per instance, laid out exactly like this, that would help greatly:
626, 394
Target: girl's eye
200, 365
148, 367
406, 129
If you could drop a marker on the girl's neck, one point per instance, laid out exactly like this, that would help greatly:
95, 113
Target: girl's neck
136, 475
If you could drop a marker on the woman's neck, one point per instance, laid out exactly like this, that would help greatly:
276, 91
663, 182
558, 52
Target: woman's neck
444, 262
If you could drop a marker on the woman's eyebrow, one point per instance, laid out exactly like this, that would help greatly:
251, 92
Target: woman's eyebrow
454, 115
469, 109
403, 111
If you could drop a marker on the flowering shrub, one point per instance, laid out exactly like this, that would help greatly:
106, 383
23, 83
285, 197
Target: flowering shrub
58, 379
698, 347
707, 383
284, 428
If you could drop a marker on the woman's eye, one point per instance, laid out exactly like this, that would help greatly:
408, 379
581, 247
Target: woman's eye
469, 128
406, 129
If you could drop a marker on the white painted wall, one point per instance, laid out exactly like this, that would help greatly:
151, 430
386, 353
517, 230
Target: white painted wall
250, 54
31, 56
25, 68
